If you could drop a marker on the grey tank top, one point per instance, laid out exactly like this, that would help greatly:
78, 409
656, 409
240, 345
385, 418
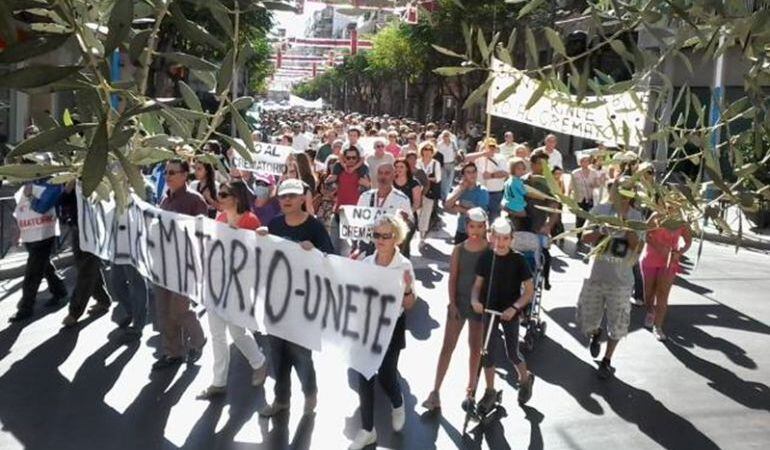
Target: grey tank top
466, 276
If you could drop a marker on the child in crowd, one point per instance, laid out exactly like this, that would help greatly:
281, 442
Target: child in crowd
514, 193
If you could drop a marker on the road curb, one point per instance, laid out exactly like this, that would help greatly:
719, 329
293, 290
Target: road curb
60, 261
757, 244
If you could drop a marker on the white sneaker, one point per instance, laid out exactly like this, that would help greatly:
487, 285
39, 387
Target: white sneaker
363, 439
659, 334
399, 418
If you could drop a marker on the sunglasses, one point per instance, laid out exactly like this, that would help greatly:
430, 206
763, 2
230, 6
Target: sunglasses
379, 146
351, 158
174, 172
224, 194
385, 236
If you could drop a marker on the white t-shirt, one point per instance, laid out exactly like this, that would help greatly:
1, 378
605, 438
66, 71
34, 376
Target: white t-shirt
507, 151
494, 164
399, 261
394, 202
448, 151
432, 169
555, 159
583, 185
373, 162
300, 142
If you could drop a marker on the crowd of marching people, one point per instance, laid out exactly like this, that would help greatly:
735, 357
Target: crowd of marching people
418, 174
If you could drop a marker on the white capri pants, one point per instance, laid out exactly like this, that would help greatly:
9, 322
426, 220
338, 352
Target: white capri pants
597, 298
423, 219
243, 340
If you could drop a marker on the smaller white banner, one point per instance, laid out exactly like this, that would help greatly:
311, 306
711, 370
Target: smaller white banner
268, 158
356, 222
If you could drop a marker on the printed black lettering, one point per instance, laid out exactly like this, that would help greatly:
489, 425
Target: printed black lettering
217, 297
350, 308
331, 303
257, 277
370, 293
166, 235
278, 258
382, 321
235, 268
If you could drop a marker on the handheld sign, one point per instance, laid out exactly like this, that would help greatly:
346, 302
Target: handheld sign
356, 222
268, 158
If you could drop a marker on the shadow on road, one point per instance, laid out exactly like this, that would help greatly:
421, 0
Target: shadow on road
556, 365
684, 327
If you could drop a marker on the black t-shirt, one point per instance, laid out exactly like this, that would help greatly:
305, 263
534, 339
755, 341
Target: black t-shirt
310, 230
511, 271
407, 189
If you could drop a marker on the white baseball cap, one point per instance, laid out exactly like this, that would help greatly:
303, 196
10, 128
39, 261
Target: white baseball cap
477, 215
291, 186
501, 225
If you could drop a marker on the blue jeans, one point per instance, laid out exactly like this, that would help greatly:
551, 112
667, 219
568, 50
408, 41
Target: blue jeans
447, 178
494, 204
129, 288
285, 355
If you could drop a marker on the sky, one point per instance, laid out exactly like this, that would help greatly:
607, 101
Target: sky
294, 23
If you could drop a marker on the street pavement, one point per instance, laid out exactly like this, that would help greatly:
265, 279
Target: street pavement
706, 388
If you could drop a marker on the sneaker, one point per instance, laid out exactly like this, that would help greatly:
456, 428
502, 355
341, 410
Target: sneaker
525, 390
659, 334
20, 316
259, 376
211, 392
273, 409
194, 354
636, 301
130, 335
125, 322
98, 309
487, 402
433, 402
167, 362
69, 321
399, 418
605, 370
595, 346
649, 320
363, 439
54, 301
311, 401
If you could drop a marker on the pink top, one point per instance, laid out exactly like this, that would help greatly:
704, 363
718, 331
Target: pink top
393, 149
668, 239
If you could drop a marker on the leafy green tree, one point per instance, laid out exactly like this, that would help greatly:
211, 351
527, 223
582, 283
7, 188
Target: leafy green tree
681, 29
103, 146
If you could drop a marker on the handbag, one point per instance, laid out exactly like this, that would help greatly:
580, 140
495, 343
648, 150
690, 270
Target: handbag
434, 188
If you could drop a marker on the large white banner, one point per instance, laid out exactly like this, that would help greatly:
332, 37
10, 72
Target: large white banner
356, 221
318, 301
299, 102
602, 119
268, 158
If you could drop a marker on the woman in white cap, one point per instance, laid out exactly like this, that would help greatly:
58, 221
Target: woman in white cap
465, 255
503, 284
388, 233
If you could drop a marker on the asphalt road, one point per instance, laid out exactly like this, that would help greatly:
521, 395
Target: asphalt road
706, 388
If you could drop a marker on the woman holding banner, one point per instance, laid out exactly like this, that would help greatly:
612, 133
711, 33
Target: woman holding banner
234, 201
388, 233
